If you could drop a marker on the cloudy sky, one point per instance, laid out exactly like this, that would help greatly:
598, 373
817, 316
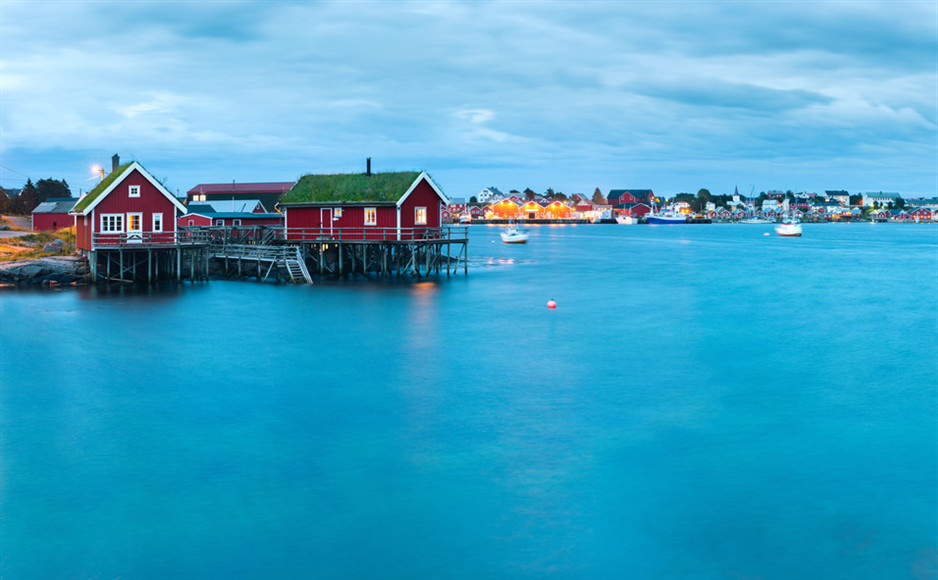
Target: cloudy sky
672, 96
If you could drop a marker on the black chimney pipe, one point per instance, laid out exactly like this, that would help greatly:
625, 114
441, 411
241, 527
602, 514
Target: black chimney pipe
368, 167
115, 162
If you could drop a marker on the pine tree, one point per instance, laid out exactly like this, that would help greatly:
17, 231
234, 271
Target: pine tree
598, 198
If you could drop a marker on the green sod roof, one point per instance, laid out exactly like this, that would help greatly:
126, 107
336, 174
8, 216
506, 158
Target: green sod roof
351, 187
99, 189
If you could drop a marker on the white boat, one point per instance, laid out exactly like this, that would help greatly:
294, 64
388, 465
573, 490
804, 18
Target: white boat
755, 220
666, 218
513, 235
626, 219
465, 218
790, 227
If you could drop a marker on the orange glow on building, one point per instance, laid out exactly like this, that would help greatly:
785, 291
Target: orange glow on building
505, 209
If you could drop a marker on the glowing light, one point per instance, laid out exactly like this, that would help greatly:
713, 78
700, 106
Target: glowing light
97, 170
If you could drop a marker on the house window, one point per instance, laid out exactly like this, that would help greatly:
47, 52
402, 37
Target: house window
337, 213
219, 222
191, 222
371, 216
236, 222
421, 218
134, 191
112, 223
134, 222
157, 222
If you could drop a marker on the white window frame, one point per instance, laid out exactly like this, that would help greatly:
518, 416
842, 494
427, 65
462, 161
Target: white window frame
112, 223
191, 222
371, 216
219, 222
133, 191
417, 220
236, 222
158, 222
130, 217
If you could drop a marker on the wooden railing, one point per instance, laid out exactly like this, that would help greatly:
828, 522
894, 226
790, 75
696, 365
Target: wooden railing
105, 239
377, 234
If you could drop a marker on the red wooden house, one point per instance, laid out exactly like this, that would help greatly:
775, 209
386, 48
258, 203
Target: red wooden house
52, 214
557, 210
129, 206
921, 214
631, 202
532, 210
205, 215
269, 193
364, 206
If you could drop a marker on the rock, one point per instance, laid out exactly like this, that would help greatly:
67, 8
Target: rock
47, 271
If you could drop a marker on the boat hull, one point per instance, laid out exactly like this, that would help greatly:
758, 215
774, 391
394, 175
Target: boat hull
664, 220
518, 239
788, 231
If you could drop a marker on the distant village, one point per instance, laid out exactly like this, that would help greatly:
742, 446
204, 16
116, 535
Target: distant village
832, 205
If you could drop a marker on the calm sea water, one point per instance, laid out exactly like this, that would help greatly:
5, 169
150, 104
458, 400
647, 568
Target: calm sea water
705, 402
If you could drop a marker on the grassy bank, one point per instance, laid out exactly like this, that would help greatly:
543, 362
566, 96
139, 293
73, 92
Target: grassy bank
31, 246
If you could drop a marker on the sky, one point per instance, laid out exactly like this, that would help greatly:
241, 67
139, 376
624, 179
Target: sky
668, 96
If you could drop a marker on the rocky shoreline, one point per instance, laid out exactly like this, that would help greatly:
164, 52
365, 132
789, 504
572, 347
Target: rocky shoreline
49, 271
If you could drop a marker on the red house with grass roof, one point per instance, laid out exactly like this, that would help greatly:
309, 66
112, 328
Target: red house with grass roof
405, 205
128, 207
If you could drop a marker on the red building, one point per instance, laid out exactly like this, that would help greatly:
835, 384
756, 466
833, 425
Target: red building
364, 206
504, 209
128, 207
52, 214
269, 193
205, 215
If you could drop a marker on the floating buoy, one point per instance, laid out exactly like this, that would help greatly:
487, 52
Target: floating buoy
551, 304
766, 234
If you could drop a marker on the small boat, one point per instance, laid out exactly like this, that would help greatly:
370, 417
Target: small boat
513, 235
790, 227
666, 218
626, 219
755, 220
465, 218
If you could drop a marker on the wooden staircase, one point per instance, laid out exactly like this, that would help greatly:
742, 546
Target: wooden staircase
287, 259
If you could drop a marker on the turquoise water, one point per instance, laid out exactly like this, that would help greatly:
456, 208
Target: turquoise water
705, 402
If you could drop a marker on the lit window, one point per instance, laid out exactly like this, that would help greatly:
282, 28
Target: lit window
134, 191
421, 218
157, 222
134, 222
371, 216
112, 223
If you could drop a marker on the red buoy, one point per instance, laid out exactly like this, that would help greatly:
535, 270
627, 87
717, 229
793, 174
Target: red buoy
551, 304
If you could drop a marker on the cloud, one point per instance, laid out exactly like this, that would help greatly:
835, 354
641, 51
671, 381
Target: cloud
477, 116
566, 92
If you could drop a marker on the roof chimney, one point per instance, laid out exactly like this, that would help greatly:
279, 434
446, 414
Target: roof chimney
115, 162
368, 167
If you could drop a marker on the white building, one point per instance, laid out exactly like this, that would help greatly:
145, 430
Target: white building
871, 197
489, 194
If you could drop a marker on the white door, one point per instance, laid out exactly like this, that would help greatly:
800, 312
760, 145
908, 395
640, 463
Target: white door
325, 220
134, 228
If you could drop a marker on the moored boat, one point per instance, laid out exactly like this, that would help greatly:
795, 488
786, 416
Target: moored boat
626, 219
790, 227
513, 235
666, 218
